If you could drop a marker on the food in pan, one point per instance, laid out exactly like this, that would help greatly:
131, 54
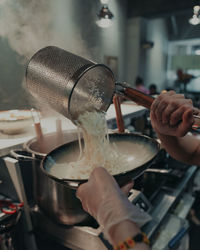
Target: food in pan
99, 151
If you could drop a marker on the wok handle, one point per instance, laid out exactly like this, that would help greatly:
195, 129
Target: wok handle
138, 97
119, 118
20, 154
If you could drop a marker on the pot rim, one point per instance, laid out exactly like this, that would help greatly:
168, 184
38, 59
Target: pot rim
27, 144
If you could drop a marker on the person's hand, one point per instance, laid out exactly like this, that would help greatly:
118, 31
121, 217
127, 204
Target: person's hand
172, 114
101, 186
102, 198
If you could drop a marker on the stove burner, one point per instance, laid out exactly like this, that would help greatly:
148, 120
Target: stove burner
155, 180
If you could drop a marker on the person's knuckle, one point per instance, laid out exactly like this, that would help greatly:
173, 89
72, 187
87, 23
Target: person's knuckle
159, 98
174, 104
190, 101
171, 92
188, 107
164, 102
183, 108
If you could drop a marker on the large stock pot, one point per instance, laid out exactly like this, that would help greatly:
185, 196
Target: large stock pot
57, 196
55, 200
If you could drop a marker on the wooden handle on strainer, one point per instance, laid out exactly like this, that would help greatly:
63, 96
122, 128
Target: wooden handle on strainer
146, 101
139, 97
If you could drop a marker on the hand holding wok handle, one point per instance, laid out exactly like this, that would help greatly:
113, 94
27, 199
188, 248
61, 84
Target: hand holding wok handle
146, 101
102, 198
119, 118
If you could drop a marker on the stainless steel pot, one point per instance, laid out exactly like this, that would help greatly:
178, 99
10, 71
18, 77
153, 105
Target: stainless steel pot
56, 200
56, 197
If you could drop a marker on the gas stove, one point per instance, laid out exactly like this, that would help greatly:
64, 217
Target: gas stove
160, 205
88, 236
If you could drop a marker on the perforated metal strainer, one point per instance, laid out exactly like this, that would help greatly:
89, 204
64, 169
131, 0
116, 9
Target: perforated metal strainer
68, 83
72, 85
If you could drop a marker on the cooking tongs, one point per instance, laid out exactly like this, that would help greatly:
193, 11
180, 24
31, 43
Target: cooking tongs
146, 101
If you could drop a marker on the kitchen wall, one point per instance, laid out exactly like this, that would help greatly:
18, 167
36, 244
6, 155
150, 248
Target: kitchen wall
133, 49
149, 63
156, 58
26, 26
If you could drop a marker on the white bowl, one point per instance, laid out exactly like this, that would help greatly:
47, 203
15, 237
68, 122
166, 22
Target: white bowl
15, 121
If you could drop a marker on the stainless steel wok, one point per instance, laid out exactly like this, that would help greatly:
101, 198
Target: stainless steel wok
58, 199
139, 148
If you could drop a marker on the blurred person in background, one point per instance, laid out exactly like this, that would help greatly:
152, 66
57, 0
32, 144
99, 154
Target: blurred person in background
139, 85
182, 79
153, 89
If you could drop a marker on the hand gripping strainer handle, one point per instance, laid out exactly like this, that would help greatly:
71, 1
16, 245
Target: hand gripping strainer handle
146, 101
69, 83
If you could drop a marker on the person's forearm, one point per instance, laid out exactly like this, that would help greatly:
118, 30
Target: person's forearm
124, 230
185, 149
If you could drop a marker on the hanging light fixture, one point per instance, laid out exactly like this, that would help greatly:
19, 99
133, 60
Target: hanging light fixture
195, 18
105, 16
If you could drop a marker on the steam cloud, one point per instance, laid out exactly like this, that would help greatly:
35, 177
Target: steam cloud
27, 25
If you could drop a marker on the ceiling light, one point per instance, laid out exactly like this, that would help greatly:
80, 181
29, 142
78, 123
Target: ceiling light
194, 20
104, 1
105, 17
196, 9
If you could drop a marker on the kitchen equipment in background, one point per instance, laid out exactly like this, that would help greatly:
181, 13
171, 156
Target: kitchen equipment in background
72, 85
15, 174
10, 214
38, 129
25, 161
15, 121
36, 120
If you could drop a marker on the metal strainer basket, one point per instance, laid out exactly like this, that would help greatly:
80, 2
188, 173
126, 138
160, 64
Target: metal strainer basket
68, 83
